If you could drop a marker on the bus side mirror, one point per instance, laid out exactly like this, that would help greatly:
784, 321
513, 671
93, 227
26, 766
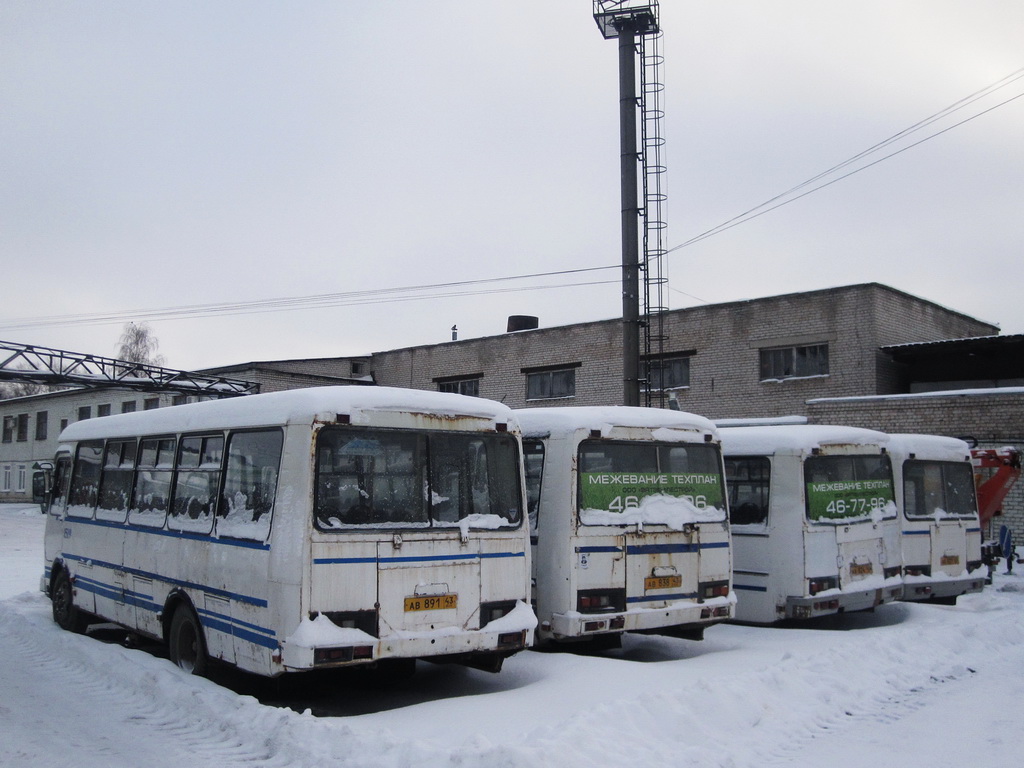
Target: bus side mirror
42, 477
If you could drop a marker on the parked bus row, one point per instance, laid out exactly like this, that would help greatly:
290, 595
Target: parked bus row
345, 526
829, 519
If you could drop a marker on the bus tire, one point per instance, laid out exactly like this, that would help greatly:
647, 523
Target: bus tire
65, 613
185, 644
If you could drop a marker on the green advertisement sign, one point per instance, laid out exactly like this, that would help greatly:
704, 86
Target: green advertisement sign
619, 491
843, 499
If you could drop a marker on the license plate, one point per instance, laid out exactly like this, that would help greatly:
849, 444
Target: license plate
863, 569
950, 560
432, 602
663, 582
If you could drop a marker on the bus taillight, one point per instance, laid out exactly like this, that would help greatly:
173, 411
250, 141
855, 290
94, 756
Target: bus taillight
601, 600
710, 589
822, 583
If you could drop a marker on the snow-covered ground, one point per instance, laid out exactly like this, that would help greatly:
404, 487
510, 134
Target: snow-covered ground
926, 686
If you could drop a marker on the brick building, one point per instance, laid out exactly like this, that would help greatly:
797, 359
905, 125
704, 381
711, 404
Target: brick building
762, 357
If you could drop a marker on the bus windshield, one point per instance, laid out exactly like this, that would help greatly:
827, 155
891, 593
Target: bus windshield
936, 489
412, 479
843, 489
632, 482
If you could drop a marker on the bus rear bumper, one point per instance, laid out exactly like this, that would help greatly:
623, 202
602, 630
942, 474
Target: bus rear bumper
834, 601
503, 637
941, 590
679, 616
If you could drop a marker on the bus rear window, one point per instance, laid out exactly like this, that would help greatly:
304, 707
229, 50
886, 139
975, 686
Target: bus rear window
936, 489
403, 479
843, 489
628, 482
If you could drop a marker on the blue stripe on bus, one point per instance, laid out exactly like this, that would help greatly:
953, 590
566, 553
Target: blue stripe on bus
655, 598
257, 601
749, 588
173, 534
117, 594
660, 549
214, 621
238, 623
917, 533
412, 558
654, 549
230, 627
974, 530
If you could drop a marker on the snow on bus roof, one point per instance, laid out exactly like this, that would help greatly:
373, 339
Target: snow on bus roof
562, 421
795, 437
294, 406
932, 447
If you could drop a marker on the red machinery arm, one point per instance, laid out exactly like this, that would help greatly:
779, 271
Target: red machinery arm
999, 470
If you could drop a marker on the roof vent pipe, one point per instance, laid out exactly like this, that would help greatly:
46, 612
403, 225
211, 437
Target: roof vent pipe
522, 323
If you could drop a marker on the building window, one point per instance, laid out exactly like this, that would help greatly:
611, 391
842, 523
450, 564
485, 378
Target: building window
669, 373
103, 410
9, 422
467, 385
357, 368
151, 403
63, 424
7, 477
22, 478
22, 427
42, 422
792, 362
551, 384
128, 406
179, 400
84, 412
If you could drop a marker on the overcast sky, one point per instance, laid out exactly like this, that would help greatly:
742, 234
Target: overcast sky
160, 155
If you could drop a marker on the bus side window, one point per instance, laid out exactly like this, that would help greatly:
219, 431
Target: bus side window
747, 479
152, 482
116, 482
85, 479
250, 484
196, 483
534, 461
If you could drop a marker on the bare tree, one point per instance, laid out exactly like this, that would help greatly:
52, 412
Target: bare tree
139, 345
11, 389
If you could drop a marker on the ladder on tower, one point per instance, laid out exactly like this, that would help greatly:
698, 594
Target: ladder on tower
651, 107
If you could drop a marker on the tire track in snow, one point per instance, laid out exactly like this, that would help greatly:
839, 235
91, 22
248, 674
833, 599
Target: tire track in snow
162, 718
166, 723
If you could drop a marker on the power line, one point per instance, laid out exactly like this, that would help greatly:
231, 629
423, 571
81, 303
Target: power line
283, 304
784, 197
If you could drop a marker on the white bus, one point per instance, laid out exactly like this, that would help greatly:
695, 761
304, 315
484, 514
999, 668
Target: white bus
628, 517
814, 521
298, 530
941, 533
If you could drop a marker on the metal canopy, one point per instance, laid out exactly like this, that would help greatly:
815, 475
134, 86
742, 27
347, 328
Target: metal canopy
40, 365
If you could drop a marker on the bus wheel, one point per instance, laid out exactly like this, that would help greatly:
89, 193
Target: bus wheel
65, 613
185, 642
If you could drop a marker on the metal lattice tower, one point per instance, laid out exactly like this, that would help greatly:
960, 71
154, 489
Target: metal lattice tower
641, 111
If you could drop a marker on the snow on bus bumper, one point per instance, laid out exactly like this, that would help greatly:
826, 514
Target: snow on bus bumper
845, 600
320, 643
688, 614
